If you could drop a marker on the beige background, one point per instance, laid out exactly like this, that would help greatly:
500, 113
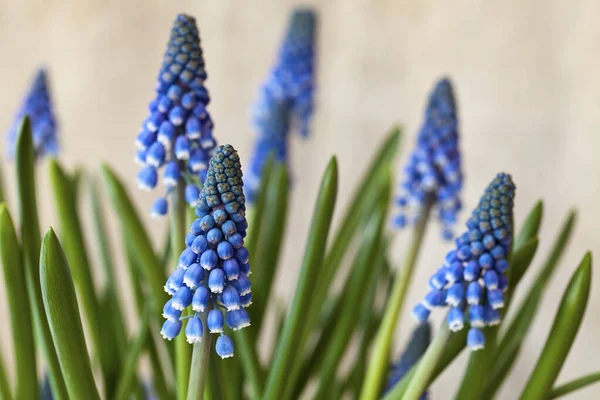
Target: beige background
526, 74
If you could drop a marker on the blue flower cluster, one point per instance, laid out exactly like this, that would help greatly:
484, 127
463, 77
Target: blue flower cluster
177, 135
38, 106
418, 343
213, 269
433, 172
474, 273
285, 97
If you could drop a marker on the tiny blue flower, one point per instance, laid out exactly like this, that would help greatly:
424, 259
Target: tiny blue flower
38, 106
194, 330
170, 329
160, 207
474, 280
212, 270
418, 343
433, 170
224, 346
177, 134
286, 97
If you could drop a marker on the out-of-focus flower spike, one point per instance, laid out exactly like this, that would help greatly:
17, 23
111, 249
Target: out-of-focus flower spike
475, 270
208, 270
177, 134
416, 347
433, 172
286, 97
38, 106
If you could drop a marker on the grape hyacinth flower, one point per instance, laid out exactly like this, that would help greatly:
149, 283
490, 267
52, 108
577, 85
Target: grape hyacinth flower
213, 270
418, 343
433, 172
473, 275
286, 97
38, 106
176, 137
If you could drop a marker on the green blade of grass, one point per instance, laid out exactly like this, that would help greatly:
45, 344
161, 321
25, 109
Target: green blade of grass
562, 334
574, 385
31, 242
293, 334
19, 308
60, 304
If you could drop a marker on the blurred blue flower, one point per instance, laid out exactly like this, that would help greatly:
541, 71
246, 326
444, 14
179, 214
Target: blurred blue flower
286, 97
38, 106
213, 269
433, 170
176, 137
418, 343
473, 275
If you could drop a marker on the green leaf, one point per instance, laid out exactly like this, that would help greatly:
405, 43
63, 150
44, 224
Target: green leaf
4, 383
296, 326
501, 369
269, 247
524, 318
531, 225
2, 195
521, 260
562, 334
137, 237
128, 376
30, 242
75, 250
574, 385
60, 303
361, 274
255, 211
19, 308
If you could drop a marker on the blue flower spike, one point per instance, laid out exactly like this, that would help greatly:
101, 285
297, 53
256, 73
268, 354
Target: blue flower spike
176, 140
433, 172
38, 106
474, 273
286, 97
418, 343
209, 274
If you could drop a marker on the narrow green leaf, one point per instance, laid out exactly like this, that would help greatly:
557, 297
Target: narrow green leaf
4, 383
137, 237
19, 308
75, 249
255, 211
521, 260
501, 369
533, 297
379, 361
574, 385
128, 376
347, 321
253, 371
562, 334
30, 242
269, 247
158, 372
112, 302
295, 327
60, 303
531, 225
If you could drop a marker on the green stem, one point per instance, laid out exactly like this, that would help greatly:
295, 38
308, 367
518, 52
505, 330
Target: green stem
378, 365
178, 229
574, 385
199, 367
426, 366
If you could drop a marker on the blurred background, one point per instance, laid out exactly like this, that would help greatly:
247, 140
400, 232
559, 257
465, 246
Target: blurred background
525, 74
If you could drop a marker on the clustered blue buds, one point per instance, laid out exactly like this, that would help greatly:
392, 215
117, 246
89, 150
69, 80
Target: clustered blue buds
38, 106
177, 135
418, 343
213, 269
474, 273
433, 172
285, 97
